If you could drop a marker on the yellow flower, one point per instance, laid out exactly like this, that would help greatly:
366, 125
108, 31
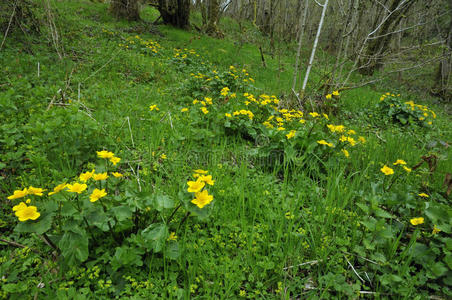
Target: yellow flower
27, 213
184, 109
172, 236
417, 221
202, 199
407, 169
35, 191
207, 179
18, 194
345, 153
326, 116
152, 107
228, 115
424, 195
58, 188
435, 230
224, 91
233, 95
387, 170
114, 160
351, 131
351, 140
281, 128
314, 114
163, 156
291, 134
336, 93
323, 142
195, 101
104, 154
328, 96
362, 139
20, 206
204, 110
97, 194
399, 162
85, 176
195, 186
117, 175
76, 187
100, 176
208, 100
200, 171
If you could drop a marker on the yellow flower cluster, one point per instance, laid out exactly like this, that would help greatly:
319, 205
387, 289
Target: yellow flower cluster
202, 197
224, 91
399, 162
242, 112
24, 212
329, 96
108, 155
25, 192
388, 94
184, 53
153, 46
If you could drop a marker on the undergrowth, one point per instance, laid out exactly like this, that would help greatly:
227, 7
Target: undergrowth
207, 182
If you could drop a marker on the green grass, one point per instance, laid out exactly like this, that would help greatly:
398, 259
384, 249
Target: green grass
288, 218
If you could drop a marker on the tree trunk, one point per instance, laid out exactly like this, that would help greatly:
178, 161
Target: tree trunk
444, 72
125, 9
314, 47
213, 13
378, 45
175, 12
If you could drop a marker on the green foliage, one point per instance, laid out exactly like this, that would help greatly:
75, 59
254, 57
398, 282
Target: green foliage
405, 113
301, 205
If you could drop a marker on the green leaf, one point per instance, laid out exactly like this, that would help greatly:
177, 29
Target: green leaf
74, 247
155, 236
39, 226
163, 202
383, 214
99, 219
122, 212
172, 250
126, 256
438, 269
448, 260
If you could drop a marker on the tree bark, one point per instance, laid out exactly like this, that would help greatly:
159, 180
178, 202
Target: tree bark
213, 14
377, 46
175, 12
125, 9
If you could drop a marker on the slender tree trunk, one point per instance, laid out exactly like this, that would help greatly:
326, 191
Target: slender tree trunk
314, 47
300, 42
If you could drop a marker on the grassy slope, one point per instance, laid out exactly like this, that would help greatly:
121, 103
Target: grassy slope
264, 219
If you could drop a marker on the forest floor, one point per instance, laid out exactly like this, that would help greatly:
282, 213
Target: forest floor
224, 188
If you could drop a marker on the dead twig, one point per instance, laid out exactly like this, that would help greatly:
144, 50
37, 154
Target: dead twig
15, 244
